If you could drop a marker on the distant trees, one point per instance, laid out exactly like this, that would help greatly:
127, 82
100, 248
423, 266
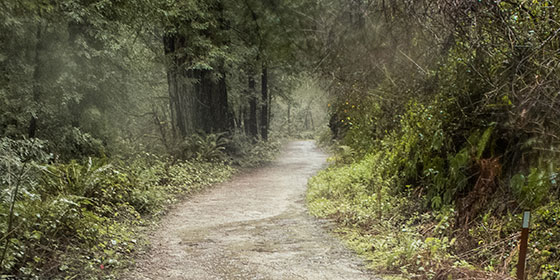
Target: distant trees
96, 95
270, 38
207, 45
95, 77
193, 41
68, 74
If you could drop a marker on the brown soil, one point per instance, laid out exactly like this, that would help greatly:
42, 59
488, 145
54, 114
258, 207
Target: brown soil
254, 226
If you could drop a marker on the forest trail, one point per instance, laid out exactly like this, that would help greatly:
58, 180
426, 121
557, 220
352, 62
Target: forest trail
255, 226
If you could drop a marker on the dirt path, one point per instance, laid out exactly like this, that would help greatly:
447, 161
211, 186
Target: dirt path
254, 226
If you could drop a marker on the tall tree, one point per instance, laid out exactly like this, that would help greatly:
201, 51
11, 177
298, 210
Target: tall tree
271, 32
264, 103
252, 114
196, 76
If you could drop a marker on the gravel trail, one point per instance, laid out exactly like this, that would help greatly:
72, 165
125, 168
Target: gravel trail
255, 226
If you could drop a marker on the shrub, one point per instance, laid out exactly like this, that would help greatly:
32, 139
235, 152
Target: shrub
209, 147
248, 152
80, 219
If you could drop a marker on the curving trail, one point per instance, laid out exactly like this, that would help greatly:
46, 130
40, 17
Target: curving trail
254, 226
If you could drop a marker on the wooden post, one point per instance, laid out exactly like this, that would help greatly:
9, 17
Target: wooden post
523, 246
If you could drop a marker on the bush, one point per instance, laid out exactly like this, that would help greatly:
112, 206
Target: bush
77, 144
392, 203
209, 147
377, 224
80, 219
248, 152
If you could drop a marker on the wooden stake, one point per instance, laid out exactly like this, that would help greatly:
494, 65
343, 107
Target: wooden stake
523, 246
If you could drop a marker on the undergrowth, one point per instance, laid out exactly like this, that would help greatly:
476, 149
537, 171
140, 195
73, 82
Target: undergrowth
423, 207
396, 236
82, 219
433, 168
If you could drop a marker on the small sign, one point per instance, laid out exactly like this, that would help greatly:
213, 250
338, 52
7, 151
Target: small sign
526, 217
523, 246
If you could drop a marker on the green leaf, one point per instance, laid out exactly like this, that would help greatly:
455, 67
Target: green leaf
516, 182
483, 142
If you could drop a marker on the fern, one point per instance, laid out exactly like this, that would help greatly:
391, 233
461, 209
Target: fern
483, 141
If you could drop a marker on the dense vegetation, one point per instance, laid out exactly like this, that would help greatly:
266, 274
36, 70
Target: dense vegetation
446, 116
82, 218
111, 110
443, 117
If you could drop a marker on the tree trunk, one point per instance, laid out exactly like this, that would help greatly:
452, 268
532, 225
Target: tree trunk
246, 119
252, 125
215, 114
160, 124
197, 99
169, 48
37, 73
264, 104
306, 120
311, 117
178, 80
289, 118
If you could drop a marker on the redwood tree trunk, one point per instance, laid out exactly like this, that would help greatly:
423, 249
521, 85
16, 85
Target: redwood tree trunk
252, 124
197, 99
180, 98
264, 104
216, 116
37, 75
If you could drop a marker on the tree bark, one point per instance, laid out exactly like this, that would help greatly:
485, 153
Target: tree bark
197, 98
246, 119
252, 124
180, 101
264, 104
37, 75
289, 118
215, 115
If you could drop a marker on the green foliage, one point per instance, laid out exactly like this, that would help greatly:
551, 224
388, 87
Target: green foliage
353, 194
483, 142
418, 173
77, 144
209, 147
343, 154
75, 73
496, 240
14, 154
80, 219
19, 164
389, 231
395, 205
531, 190
544, 255
378, 225
245, 153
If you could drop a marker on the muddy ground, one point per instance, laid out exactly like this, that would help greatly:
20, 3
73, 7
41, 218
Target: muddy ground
254, 226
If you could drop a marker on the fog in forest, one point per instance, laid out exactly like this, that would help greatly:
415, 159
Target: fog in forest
435, 125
